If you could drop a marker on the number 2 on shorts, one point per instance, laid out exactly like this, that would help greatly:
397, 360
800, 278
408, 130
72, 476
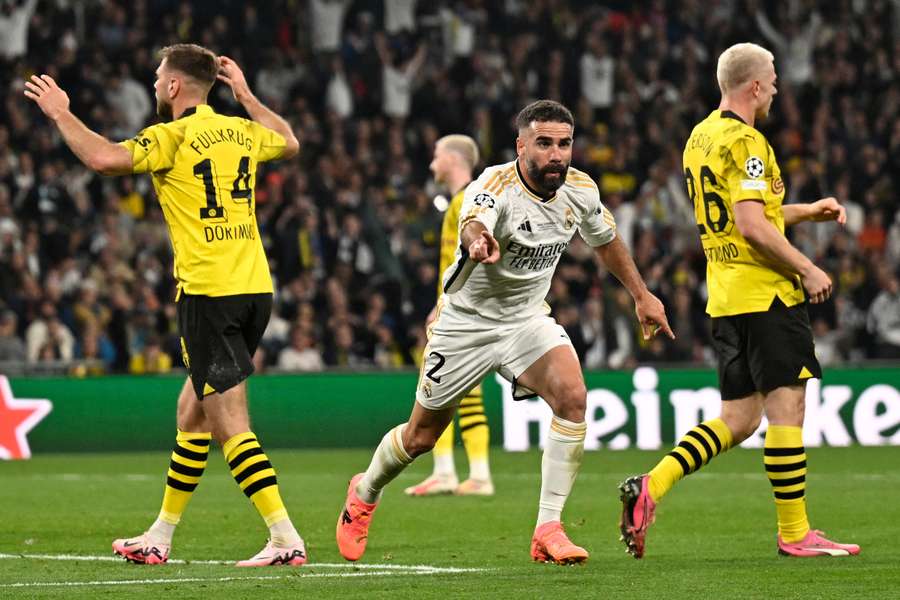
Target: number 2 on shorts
432, 373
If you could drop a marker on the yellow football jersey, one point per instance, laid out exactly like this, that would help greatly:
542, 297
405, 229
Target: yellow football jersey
450, 235
203, 167
725, 162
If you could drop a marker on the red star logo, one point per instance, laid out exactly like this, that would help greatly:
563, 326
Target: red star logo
17, 418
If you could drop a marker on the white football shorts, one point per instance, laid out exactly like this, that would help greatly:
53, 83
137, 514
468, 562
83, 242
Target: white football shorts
463, 348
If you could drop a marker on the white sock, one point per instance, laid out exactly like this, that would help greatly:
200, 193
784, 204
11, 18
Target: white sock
479, 469
443, 465
284, 534
389, 460
560, 464
161, 531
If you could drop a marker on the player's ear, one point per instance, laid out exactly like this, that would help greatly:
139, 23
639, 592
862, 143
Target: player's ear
520, 145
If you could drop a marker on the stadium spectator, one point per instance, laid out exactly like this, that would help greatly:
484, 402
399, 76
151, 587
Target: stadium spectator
152, 359
11, 345
301, 354
47, 339
14, 18
884, 318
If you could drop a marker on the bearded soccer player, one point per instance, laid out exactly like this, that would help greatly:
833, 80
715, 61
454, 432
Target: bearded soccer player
517, 220
203, 167
760, 328
455, 156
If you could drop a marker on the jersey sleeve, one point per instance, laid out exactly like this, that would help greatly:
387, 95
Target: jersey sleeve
153, 149
271, 144
480, 205
746, 168
598, 227
450, 235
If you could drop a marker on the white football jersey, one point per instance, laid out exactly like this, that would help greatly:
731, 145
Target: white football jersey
532, 233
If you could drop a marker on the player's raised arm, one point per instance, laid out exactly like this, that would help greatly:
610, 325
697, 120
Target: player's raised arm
650, 311
231, 74
95, 151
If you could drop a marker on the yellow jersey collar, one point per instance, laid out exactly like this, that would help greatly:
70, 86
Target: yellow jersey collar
200, 109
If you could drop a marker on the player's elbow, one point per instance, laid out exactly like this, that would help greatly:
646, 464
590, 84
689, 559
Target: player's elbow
101, 164
292, 147
109, 163
750, 229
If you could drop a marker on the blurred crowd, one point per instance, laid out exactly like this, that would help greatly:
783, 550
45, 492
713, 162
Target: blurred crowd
351, 227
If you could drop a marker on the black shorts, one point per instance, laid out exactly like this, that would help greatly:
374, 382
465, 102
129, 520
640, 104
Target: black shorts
759, 352
219, 336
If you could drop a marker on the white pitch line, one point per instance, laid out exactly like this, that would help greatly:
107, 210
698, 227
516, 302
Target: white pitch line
415, 569
187, 580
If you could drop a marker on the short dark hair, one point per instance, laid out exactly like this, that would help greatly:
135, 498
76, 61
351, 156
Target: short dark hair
194, 61
543, 111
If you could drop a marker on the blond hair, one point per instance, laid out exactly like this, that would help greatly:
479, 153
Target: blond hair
462, 145
741, 63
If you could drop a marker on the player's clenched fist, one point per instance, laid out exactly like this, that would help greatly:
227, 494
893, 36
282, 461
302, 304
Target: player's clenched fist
49, 96
485, 249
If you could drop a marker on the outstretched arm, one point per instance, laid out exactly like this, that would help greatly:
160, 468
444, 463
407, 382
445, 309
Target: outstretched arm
826, 209
650, 311
95, 151
231, 74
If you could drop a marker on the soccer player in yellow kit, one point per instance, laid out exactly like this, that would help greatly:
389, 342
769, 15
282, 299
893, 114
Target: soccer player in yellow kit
760, 326
455, 157
203, 167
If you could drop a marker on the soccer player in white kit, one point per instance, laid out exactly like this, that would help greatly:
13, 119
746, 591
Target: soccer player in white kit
516, 221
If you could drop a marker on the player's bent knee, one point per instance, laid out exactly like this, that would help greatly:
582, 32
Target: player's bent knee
419, 442
571, 401
743, 428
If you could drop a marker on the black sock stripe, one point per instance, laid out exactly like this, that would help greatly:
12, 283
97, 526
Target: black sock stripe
699, 437
684, 466
787, 482
784, 451
471, 413
180, 485
254, 468
186, 470
237, 460
695, 454
247, 441
190, 454
787, 467
713, 435
790, 495
261, 484
464, 428
203, 442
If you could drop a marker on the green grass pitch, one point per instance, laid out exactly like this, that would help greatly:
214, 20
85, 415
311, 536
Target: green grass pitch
714, 535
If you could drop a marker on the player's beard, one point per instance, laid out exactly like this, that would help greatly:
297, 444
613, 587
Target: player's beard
164, 109
539, 176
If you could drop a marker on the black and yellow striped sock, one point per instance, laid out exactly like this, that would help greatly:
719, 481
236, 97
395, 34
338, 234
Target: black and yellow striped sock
185, 469
476, 437
254, 474
696, 448
785, 459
